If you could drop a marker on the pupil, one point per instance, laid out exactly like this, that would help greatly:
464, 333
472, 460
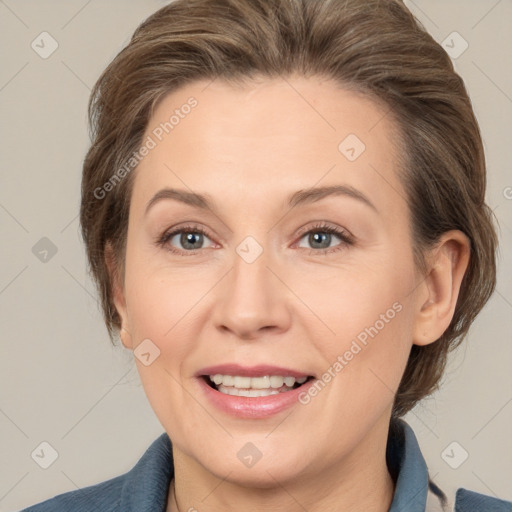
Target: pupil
315, 236
189, 239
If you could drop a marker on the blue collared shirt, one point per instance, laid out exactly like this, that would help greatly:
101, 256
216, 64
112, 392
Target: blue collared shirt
146, 486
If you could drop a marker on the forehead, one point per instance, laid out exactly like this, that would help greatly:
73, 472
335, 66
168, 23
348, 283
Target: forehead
267, 138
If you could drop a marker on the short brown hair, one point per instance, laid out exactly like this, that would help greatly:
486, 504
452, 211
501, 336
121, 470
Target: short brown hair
373, 46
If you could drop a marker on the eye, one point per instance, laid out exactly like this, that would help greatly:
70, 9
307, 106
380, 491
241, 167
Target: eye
320, 237
191, 239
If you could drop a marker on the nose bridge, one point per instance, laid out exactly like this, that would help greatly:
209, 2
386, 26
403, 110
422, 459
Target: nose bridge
250, 266
250, 284
251, 295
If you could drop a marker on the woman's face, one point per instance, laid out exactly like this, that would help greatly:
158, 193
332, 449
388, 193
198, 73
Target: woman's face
257, 280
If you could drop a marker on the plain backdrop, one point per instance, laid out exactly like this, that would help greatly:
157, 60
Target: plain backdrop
61, 381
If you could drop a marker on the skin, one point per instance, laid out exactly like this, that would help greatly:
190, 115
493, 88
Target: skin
249, 148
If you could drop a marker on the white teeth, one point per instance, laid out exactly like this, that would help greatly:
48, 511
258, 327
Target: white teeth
241, 382
276, 382
251, 392
260, 382
217, 379
227, 380
273, 382
289, 381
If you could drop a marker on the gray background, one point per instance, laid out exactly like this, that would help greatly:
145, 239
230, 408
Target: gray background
60, 379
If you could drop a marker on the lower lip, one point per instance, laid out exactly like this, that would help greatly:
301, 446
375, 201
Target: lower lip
253, 407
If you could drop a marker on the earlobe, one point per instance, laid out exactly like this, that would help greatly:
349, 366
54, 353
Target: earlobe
118, 296
438, 294
126, 338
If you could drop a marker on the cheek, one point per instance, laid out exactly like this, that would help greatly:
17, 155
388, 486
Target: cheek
160, 309
161, 298
359, 302
370, 320
372, 340
365, 362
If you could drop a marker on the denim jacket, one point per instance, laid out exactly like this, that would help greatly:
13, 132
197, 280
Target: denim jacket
145, 487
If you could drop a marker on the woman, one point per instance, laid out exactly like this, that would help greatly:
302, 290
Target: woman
283, 208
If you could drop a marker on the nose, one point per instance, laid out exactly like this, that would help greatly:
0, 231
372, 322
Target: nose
252, 299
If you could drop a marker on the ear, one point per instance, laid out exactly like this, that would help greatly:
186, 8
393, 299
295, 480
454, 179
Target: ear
118, 295
438, 293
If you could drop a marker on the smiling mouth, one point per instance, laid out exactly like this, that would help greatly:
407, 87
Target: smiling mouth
254, 386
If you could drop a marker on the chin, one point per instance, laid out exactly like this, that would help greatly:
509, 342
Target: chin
264, 474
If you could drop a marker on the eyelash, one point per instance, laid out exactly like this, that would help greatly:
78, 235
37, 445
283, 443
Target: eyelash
345, 237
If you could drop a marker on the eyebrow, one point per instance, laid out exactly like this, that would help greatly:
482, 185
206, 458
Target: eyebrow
298, 198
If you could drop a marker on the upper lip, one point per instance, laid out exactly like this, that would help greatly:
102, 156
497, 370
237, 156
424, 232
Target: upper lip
251, 371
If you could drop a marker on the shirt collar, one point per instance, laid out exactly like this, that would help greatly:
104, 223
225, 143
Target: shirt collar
146, 486
405, 460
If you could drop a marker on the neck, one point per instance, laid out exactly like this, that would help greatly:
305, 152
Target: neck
358, 483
